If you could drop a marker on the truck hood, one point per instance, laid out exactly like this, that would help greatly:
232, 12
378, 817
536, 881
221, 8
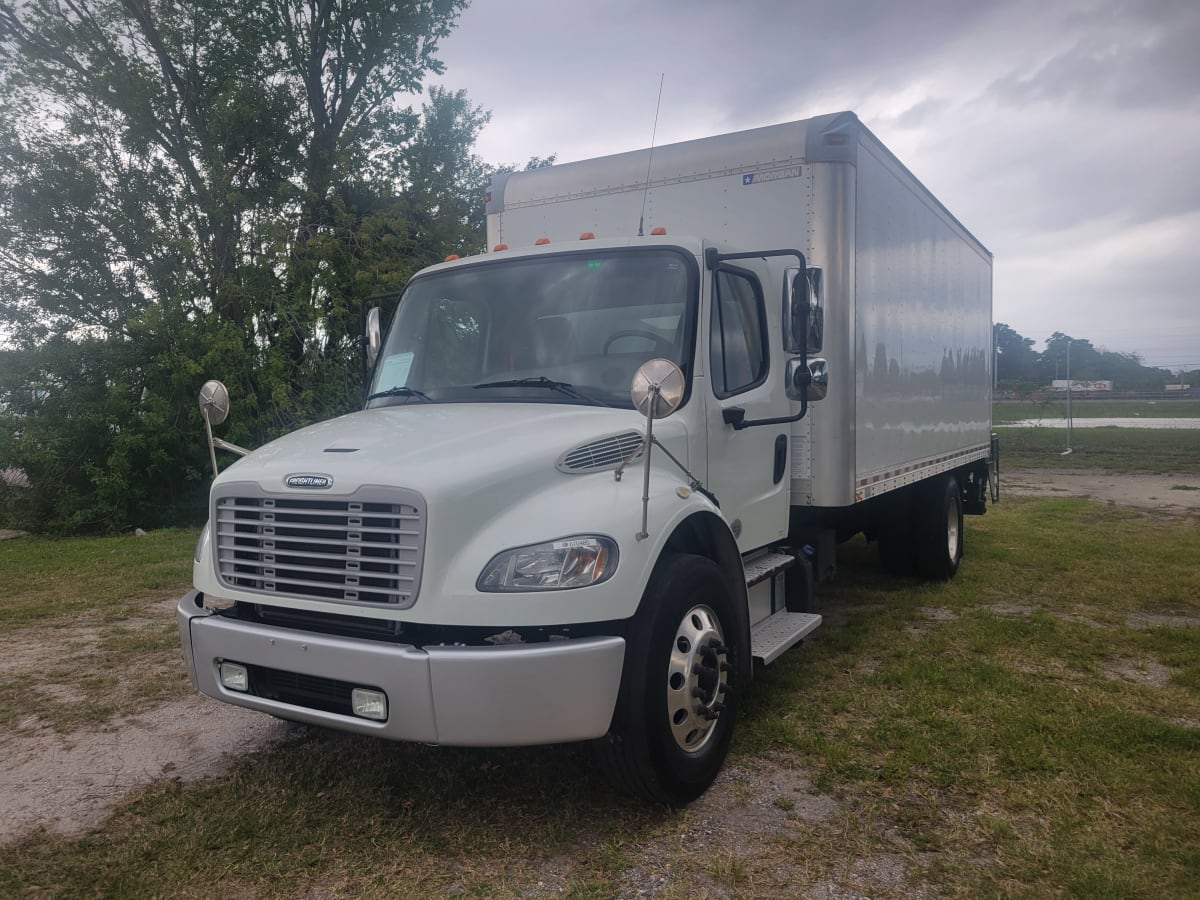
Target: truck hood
439, 449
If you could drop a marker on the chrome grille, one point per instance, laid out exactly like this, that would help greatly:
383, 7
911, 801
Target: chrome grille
604, 453
350, 550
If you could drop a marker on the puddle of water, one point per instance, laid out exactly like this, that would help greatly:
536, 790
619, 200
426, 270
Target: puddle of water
1130, 422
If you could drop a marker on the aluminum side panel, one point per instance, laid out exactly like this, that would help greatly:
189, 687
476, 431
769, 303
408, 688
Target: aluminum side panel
923, 299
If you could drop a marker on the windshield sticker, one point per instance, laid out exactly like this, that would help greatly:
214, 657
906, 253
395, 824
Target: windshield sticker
395, 371
771, 175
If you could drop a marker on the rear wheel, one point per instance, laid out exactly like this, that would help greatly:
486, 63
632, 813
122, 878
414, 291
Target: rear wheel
939, 528
679, 687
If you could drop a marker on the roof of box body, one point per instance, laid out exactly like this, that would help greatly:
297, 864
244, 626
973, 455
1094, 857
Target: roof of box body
829, 138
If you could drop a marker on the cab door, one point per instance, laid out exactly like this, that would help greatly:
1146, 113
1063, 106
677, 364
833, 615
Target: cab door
747, 468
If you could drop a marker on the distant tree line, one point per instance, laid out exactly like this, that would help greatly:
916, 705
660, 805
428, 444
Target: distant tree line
1022, 370
205, 188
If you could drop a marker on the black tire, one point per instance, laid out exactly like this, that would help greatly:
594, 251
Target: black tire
939, 528
994, 469
680, 684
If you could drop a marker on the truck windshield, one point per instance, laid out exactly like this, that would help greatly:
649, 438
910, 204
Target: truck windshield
567, 328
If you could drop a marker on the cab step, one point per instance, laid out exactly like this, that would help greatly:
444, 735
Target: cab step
774, 635
766, 564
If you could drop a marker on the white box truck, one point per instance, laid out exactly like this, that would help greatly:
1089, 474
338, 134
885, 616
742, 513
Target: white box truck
601, 466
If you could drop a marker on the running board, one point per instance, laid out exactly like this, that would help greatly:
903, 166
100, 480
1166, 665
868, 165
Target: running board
765, 565
774, 635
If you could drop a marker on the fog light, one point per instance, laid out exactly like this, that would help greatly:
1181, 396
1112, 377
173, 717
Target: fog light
369, 704
235, 676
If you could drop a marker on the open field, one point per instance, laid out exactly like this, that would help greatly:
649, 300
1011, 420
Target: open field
1106, 449
1031, 728
1113, 450
1005, 411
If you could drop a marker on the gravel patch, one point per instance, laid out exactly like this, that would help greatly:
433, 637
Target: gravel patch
1152, 620
70, 783
1141, 671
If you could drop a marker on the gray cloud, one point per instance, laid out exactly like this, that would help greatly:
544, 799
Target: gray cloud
1063, 134
1124, 58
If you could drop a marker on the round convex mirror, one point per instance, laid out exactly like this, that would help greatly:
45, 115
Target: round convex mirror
214, 402
664, 375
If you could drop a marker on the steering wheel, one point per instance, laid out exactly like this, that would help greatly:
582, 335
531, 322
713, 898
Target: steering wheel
662, 346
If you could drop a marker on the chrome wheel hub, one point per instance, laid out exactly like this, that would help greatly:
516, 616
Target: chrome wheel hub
952, 531
697, 678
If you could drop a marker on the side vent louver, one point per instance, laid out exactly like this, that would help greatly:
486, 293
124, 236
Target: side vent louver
600, 454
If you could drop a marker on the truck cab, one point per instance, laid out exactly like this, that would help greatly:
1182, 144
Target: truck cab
467, 559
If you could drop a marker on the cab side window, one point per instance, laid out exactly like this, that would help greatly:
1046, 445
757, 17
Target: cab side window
738, 336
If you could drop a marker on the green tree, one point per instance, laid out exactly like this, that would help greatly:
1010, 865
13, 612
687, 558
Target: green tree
207, 187
1016, 360
1062, 349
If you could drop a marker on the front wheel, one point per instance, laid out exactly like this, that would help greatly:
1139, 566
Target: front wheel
679, 687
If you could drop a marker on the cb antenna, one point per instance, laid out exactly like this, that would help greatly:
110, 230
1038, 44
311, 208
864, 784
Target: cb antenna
650, 160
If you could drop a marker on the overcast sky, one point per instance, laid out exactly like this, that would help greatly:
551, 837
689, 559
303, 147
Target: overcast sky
1064, 133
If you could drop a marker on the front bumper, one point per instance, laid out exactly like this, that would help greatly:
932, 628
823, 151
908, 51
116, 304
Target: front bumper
507, 695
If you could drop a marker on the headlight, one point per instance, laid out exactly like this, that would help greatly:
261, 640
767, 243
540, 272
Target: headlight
569, 562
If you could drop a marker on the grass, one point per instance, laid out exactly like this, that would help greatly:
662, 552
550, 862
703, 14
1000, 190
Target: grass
85, 626
1008, 411
46, 580
1132, 451
1031, 728
1135, 451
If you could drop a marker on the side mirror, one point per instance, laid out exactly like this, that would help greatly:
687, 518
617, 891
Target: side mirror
816, 309
807, 381
795, 310
804, 310
657, 388
374, 336
818, 380
214, 402
214, 407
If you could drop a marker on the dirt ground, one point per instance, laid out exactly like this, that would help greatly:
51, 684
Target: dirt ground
1169, 494
68, 784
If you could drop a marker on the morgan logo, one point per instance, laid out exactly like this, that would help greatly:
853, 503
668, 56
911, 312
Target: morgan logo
308, 481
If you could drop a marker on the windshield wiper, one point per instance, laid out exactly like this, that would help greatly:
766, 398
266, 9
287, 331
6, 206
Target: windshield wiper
402, 392
543, 382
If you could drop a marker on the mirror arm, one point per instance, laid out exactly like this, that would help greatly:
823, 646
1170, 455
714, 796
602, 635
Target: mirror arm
232, 448
655, 393
713, 257
212, 452
739, 421
736, 416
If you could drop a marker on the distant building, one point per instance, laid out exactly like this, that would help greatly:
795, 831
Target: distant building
1060, 384
1177, 387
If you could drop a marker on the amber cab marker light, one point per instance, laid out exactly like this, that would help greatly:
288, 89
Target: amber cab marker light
499, 247
588, 236
452, 257
541, 242
658, 232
